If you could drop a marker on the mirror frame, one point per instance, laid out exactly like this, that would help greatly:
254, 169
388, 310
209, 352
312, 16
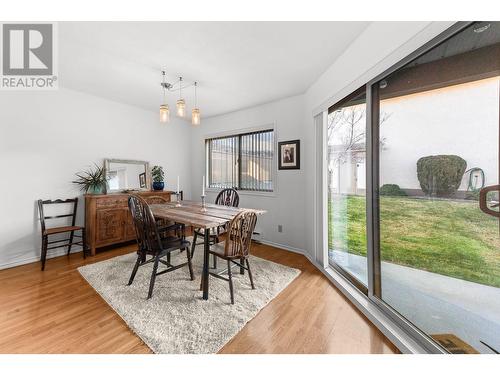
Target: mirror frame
107, 162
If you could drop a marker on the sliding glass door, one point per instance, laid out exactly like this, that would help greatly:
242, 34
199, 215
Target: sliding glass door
420, 235
346, 187
438, 147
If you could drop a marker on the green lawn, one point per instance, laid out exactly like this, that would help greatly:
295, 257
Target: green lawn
452, 238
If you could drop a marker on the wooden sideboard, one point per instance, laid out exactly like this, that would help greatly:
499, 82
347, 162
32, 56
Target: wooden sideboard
108, 220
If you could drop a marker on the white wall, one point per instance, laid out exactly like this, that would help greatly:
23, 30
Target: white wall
458, 120
45, 137
286, 206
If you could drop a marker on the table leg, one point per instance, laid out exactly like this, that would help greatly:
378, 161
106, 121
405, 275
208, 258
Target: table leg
206, 259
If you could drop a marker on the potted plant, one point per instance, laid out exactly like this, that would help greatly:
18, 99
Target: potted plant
92, 181
158, 177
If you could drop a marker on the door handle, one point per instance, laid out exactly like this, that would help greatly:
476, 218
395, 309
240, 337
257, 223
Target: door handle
482, 200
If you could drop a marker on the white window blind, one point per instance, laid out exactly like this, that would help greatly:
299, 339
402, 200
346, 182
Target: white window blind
241, 161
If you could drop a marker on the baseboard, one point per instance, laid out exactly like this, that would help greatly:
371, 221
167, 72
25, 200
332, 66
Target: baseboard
283, 247
36, 258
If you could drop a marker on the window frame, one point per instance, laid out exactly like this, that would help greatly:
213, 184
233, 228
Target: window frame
239, 133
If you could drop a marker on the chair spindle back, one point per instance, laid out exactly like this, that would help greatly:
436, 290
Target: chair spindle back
239, 234
228, 197
144, 222
41, 203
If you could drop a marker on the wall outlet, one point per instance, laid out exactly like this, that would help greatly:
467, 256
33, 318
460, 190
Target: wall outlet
280, 228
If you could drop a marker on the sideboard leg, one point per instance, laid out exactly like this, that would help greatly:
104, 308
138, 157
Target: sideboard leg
92, 250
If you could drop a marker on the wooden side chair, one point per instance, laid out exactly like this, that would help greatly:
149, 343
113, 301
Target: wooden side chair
236, 247
151, 243
226, 197
71, 229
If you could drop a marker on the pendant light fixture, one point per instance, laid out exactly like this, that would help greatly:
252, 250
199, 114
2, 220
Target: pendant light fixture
164, 110
195, 113
181, 104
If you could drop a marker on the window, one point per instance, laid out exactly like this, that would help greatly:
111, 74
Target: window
242, 161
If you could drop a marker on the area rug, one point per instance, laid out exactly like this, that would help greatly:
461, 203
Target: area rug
176, 319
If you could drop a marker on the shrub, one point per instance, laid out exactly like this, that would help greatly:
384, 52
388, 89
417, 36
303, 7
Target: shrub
440, 174
392, 190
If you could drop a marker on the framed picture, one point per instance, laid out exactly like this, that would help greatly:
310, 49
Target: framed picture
142, 180
289, 154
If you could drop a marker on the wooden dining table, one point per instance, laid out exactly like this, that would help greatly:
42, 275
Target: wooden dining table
192, 213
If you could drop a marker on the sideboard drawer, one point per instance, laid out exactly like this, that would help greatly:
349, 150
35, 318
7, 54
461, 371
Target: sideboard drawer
115, 202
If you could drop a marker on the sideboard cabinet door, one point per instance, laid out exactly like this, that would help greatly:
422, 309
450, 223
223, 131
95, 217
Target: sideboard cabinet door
110, 226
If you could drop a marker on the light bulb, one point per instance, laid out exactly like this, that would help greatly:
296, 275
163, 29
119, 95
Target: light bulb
195, 118
164, 113
181, 108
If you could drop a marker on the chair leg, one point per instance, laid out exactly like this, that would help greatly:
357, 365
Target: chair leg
70, 241
84, 243
242, 263
201, 282
153, 277
190, 266
230, 274
134, 271
193, 246
44, 251
249, 273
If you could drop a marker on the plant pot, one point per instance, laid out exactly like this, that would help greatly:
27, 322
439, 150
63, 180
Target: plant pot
158, 185
96, 190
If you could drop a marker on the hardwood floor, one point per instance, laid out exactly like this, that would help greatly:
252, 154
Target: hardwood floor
56, 311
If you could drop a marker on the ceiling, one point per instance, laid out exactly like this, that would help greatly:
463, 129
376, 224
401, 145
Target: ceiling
465, 41
237, 64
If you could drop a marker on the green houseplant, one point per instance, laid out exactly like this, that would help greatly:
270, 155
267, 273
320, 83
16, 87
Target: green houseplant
158, 177
92, 181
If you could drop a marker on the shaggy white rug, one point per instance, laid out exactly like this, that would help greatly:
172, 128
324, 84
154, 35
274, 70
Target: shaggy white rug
176, 319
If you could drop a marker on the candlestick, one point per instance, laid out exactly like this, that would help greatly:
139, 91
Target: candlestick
203, 207
203, 187
178, 204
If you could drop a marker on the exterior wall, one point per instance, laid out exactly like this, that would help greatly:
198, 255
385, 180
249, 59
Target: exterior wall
460, 120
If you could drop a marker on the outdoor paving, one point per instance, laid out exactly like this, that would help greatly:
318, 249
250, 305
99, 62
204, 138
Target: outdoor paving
437, 304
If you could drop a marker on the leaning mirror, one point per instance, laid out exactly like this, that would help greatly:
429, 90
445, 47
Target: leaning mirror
127, 175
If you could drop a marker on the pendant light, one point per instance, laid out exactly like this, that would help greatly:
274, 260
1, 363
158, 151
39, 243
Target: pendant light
164, 110
195, 113
181, 104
